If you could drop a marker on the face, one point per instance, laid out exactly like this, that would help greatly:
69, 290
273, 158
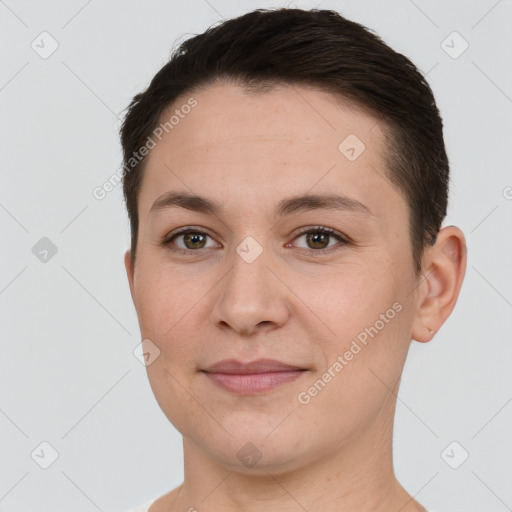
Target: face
257, 278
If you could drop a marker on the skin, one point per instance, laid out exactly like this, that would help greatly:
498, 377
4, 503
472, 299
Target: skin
249, 151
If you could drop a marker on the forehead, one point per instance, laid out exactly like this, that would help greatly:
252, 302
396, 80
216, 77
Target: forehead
228, 114
238, 146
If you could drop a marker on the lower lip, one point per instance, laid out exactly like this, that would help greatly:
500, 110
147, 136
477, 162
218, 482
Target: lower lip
253, 383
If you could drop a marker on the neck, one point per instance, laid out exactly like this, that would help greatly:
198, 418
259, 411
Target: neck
355, 477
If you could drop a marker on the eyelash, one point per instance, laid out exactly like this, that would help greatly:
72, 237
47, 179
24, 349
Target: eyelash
303, 231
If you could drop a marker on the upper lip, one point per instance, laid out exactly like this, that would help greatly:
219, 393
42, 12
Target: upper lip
258, 366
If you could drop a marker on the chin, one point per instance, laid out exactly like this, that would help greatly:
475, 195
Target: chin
257, 452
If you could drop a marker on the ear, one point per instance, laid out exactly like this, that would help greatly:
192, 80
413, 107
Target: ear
128, 263
443, 273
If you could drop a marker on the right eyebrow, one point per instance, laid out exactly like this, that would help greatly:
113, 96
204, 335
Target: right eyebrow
287, 206
188, 201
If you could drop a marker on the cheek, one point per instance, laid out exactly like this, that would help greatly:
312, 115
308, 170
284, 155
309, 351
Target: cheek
172, 394
346, 300
170, 308
361, 368
167, 311
367, 323
162, 298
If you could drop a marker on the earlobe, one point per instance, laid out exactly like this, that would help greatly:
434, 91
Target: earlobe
443, 277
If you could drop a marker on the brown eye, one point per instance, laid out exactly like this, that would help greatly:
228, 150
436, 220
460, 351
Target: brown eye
191, 241
318, 239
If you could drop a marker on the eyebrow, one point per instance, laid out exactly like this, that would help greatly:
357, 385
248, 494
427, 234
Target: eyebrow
288, 206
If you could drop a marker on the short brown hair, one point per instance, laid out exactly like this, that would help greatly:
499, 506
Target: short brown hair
320, 48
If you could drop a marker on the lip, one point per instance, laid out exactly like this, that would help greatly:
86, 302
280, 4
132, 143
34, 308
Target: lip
253, 377
232, 366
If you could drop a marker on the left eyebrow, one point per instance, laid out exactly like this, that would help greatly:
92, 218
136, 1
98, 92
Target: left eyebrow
288, 206
304, 203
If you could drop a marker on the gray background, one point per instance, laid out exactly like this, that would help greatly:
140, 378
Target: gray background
68, 373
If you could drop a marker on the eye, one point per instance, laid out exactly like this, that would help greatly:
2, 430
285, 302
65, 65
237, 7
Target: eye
192, 240
319, 238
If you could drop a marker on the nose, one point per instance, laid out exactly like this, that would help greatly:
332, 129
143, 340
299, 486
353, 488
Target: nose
252, 297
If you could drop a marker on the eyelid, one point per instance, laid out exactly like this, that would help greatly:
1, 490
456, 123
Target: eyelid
343, 239
180, 231
323, 229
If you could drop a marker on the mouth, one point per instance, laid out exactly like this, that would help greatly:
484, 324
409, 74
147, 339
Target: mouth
254, 377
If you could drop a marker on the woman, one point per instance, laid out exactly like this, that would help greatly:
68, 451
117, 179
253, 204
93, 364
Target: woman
286, 180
